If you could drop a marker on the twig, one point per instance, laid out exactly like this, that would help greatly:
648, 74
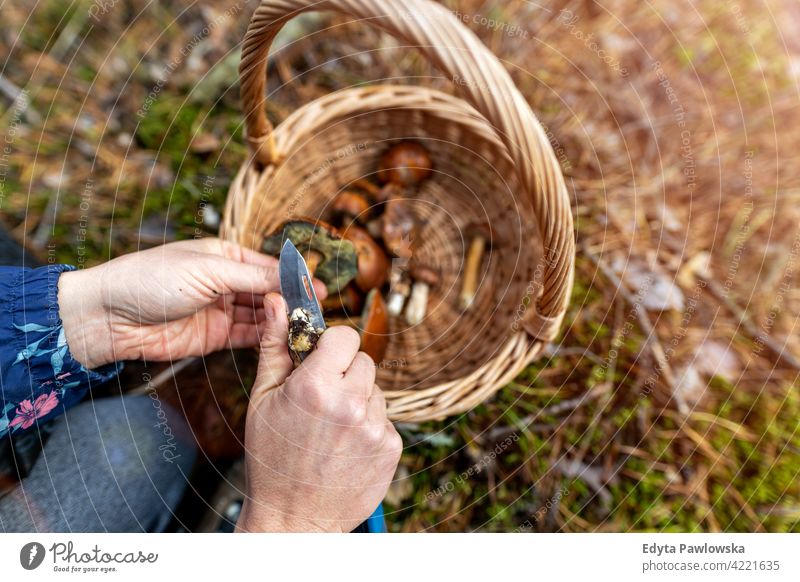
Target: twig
527, 422
752, 329
8, 88
651, 341
42, 233
68, 35
19, 97
164, 376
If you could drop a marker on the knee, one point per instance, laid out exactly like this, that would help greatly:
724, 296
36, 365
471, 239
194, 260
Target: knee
161, 430
144, 429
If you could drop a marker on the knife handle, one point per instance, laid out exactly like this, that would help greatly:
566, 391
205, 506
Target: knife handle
375, 523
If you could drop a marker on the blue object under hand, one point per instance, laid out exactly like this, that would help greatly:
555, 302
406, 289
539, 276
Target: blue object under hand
376, 522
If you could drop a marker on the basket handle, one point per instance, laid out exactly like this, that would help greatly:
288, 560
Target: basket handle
483, 82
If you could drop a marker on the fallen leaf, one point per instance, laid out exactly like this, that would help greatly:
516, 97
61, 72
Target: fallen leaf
689, 388
204, 143
717, 359
655, 290
699, 265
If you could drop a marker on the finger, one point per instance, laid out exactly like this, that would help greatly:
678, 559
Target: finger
248, 300
226, 249
236, 313
274, 363
247, 314
233, 277
390, 444
360, 376
245, 335
378, 425
240, 254
376, 406
333, 355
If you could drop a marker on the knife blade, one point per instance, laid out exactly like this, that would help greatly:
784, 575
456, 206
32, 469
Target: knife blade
306, 323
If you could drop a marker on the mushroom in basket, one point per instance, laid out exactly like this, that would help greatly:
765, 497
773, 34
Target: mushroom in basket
329, 257
406, 164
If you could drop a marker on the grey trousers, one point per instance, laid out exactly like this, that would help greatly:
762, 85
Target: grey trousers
112, 464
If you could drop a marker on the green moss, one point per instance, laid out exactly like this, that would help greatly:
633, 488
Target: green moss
42, 30
85, 73
168, 125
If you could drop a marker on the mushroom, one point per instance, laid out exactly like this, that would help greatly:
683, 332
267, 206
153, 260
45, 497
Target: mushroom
399, 288
328, 257
400, 227
350, 206
365, 187
348, 300
342, 321
373, 265
406, 164
424, 278
375, 327
479, 236
375, 228
389, 191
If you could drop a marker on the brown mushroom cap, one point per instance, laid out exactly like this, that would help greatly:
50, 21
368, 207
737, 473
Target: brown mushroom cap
364, 186
349, 300
373, 264
351, 206
424, 274
375, 327
337, 257
406, 163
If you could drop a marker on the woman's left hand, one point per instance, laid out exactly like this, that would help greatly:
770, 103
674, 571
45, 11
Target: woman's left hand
182, 299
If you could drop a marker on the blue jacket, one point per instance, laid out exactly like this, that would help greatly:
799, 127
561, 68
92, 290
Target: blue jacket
39, 378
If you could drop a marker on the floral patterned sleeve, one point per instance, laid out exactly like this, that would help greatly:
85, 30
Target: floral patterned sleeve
39, 378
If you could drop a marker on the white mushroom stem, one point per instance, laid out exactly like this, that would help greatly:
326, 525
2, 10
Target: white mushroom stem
399, 287
395, 303
471, 271
417, 303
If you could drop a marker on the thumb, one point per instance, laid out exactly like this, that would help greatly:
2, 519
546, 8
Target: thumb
274, 363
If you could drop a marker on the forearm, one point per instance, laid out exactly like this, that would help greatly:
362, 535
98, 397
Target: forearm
40, 375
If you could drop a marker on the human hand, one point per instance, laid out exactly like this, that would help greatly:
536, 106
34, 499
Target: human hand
182, 299
320, 451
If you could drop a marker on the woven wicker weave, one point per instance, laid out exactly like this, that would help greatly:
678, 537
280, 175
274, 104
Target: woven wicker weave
492, 164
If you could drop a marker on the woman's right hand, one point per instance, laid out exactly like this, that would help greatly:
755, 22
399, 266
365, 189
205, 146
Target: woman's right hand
320, 450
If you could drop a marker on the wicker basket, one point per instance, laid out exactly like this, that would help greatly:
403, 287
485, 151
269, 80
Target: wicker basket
492, 163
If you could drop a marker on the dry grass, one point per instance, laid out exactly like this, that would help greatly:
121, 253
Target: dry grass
680, 147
